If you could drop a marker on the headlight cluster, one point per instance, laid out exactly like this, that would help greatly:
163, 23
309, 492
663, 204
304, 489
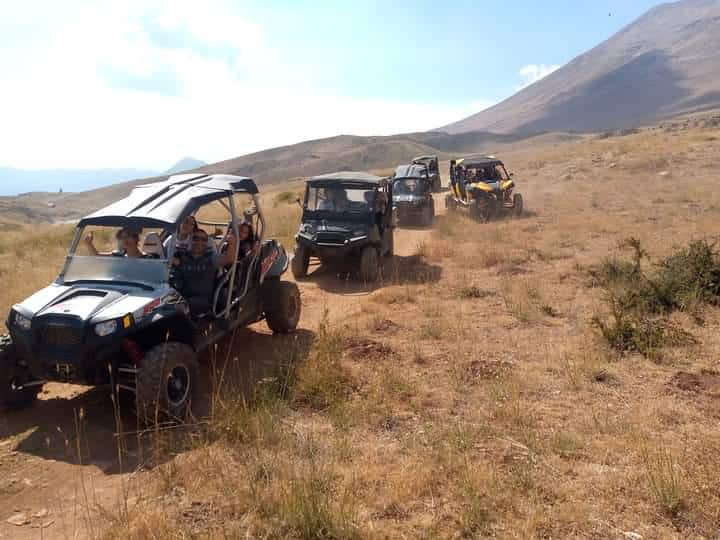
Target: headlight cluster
21, 322
106, 328
110, 327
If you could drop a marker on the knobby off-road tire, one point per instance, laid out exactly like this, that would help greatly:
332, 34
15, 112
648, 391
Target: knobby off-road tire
450, 203
10, 398
300, 262
282, 305
166, 383
485, 213
437, 185
369, 264
391, 245
517, 205
428, 215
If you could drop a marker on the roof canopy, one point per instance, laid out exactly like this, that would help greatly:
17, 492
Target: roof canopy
169, 202
481, 161
424, 158
411, 171
346, 177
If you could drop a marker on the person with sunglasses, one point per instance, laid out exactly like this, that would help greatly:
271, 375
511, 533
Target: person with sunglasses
195, 270
182, 240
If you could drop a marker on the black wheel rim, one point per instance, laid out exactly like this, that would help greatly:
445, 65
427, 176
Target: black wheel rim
178, 385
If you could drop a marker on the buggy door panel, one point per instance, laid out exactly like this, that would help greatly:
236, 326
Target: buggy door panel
273, 260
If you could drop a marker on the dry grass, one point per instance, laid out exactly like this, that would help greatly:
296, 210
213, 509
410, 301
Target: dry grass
482, 403
30, 257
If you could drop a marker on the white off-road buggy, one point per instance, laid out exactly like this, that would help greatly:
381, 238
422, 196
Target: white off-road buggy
121, 321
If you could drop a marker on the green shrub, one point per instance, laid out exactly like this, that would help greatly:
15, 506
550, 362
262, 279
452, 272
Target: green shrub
633, 333
286, 197
689, 276
680, 282
639, 302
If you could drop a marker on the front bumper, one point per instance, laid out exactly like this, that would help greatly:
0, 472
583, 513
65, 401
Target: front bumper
406, 210
332, 249
67, 353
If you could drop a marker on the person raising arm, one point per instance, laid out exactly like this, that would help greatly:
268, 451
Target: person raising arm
129, 241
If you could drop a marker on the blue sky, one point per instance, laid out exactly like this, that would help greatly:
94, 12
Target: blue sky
143, 83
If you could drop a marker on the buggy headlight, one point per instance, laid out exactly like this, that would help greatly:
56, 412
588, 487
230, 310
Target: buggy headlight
106, 328
22, 322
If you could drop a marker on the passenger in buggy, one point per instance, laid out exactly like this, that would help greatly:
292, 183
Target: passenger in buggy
246, 240
128, 240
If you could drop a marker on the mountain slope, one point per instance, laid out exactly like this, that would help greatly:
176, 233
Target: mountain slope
665, 63
282, 164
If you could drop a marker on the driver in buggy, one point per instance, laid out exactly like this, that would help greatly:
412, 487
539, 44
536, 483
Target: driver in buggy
195, 270
336, 199
491, 174
406, 187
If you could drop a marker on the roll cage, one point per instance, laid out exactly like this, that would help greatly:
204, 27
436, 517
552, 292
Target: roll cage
166, 205
466, 164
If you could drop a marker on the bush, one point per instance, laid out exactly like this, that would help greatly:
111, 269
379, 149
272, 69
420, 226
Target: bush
688, 276
634, 333
638, 302
286, 197
681, 282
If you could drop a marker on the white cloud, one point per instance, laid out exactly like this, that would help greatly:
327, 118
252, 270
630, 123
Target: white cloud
59, 110
532, 73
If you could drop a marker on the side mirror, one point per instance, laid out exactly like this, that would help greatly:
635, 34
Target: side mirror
512, 174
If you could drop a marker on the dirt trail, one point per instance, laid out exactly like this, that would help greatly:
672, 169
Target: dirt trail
59, 460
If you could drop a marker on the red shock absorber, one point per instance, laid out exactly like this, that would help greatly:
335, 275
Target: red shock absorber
133, 351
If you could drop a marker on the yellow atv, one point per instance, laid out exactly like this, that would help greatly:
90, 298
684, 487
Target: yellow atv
483, 187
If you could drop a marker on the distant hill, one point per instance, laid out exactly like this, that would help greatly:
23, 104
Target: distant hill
665, 63
185, 164
351, 152
283, 164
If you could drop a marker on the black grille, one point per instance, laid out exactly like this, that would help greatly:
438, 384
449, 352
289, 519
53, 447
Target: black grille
56, 335
330, 238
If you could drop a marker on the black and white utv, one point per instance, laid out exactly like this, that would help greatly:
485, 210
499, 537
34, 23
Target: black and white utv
121, 320
412, 195
347, 220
